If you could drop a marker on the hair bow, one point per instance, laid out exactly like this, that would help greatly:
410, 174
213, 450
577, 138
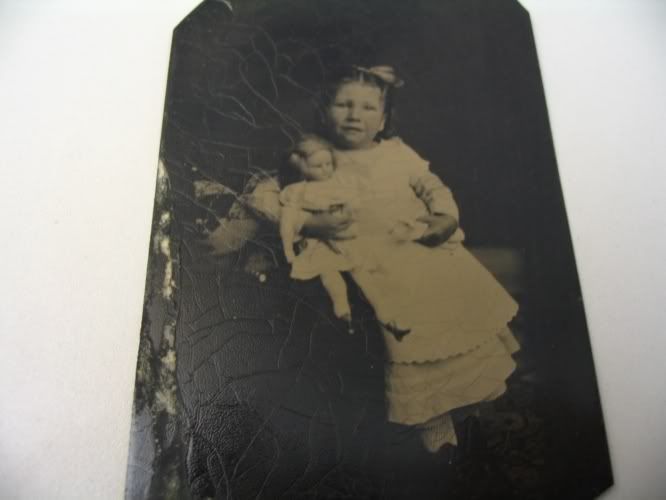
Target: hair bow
385, 73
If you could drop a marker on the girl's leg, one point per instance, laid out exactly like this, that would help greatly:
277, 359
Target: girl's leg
335, 286
374, 296
437, 432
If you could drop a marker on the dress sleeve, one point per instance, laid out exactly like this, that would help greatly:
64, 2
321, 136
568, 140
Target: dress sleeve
428, 186
437, 197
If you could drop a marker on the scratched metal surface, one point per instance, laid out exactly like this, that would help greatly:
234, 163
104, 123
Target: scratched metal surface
251, 389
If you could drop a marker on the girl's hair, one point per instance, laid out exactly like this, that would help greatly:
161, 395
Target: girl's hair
306, 146
382, 77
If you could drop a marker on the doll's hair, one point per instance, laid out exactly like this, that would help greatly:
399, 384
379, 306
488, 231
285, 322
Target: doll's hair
306, 146
382, 77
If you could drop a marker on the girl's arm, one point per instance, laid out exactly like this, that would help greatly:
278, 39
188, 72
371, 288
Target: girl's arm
265, 200
441, 227
329, 225
436, 196
443, 219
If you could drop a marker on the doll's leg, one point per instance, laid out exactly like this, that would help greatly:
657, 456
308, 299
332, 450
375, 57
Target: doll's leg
374, 296
289, 228
336, 287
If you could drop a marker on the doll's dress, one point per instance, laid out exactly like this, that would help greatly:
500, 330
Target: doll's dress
315, 256
459, 349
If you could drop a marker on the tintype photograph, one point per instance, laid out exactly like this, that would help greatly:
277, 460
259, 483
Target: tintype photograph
361, 281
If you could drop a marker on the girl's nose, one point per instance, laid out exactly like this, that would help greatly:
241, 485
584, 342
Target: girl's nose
352, 113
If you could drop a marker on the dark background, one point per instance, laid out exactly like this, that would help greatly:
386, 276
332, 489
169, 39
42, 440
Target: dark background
274, 398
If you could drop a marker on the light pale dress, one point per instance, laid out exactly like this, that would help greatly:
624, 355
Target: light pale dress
459, 349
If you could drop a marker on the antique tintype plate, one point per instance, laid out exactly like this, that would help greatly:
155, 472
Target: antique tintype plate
361, 282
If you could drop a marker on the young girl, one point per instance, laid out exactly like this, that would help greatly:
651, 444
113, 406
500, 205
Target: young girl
318, 188
459, 349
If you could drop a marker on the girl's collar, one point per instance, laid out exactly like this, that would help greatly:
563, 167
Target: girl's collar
370, 147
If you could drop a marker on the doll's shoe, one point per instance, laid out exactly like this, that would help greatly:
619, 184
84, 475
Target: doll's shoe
261, 277
397, 332
348, 320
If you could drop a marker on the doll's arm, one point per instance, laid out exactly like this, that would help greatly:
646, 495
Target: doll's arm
291, 222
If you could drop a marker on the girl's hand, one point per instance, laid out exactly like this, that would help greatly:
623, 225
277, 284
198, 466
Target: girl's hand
440, 228
329, 225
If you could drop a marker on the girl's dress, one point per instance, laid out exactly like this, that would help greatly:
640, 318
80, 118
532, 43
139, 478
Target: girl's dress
459, 349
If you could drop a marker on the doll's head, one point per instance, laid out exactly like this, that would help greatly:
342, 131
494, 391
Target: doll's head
312, 159
358, 105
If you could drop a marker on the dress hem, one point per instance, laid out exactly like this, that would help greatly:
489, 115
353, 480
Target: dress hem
515, 347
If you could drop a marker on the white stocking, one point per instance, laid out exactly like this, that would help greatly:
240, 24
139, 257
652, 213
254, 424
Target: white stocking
437, 432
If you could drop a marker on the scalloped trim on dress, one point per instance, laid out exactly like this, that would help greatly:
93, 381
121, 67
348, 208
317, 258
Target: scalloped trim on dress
473, 348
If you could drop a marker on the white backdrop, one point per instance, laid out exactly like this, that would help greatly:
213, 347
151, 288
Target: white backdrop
81, 96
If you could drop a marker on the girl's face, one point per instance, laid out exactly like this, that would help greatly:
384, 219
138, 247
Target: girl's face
356, 115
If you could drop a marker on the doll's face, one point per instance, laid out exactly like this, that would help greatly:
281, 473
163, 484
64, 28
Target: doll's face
356, 115
318, 166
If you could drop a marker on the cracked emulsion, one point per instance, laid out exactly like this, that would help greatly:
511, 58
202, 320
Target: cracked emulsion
244, 387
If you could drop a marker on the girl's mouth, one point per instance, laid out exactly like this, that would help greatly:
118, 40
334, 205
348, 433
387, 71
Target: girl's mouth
351, 129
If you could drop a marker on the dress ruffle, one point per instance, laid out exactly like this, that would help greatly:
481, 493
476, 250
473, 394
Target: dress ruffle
418, 392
